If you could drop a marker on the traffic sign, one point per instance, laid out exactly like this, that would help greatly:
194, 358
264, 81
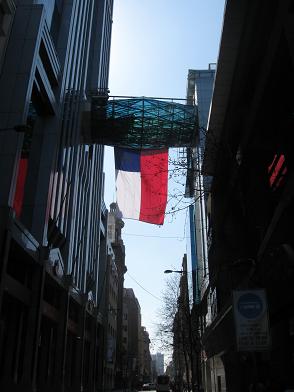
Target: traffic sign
250, 305
251, 320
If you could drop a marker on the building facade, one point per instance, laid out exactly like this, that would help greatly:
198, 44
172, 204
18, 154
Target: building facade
159, 363
145, 361
199, 90
110, 321
114, 228
53, 219
249, 153
125, 342
132, 313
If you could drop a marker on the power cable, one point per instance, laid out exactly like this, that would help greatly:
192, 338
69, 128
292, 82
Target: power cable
144, 288
155, 236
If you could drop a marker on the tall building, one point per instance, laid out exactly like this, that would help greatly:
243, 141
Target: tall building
249, 152
199, 91
114, 227
145, 361
159, 363
153, 369
132, 313
109, 313
53, 55
125, 342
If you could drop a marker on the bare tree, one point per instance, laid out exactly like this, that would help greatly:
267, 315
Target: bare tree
174, 327
166, 313
180, 166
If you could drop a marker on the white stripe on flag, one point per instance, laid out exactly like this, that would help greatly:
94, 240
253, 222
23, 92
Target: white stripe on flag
128, 193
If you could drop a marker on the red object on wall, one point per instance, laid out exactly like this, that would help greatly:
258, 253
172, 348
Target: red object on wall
20, 185
277, 171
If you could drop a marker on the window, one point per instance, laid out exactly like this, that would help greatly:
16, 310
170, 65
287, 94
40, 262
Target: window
2, 16
56, 22
7, 10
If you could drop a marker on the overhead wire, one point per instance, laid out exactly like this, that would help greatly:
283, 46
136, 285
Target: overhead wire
155, 236
159, 299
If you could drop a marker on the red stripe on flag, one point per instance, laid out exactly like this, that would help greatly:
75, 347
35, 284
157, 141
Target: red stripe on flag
154, 175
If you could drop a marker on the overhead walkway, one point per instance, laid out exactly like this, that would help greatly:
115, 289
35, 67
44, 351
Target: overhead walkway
140, 122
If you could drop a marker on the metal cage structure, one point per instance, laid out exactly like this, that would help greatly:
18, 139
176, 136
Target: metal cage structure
142, 122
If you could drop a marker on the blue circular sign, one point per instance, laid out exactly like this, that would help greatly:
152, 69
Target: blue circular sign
250, 305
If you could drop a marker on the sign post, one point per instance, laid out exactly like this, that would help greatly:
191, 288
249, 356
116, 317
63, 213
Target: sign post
251, 320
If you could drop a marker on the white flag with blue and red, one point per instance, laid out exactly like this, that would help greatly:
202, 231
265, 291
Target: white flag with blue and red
141, 184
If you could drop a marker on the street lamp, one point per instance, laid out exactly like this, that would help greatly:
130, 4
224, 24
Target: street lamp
187, 314
171, 271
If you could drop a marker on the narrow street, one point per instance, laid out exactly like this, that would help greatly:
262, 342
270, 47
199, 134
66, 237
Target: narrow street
147, 196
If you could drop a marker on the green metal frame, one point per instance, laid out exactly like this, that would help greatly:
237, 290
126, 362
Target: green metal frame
143, 123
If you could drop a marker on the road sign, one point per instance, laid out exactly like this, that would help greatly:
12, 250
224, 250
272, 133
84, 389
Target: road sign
251, 320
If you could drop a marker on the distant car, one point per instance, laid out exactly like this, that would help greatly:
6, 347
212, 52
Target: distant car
149, 386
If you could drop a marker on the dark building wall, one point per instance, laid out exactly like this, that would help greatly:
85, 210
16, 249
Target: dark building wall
110, 321
53, 220
199, 92
250, 154
111, 280
146, 357
115, 226
133, 327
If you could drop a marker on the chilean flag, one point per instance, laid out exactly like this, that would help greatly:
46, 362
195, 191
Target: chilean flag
141, 184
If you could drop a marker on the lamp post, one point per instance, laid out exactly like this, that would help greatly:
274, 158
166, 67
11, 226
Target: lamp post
184, 297
171, 271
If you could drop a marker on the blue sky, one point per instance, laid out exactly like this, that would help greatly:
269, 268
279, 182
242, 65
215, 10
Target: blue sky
154, 44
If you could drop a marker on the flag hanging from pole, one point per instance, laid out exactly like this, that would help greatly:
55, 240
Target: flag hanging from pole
141, 184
